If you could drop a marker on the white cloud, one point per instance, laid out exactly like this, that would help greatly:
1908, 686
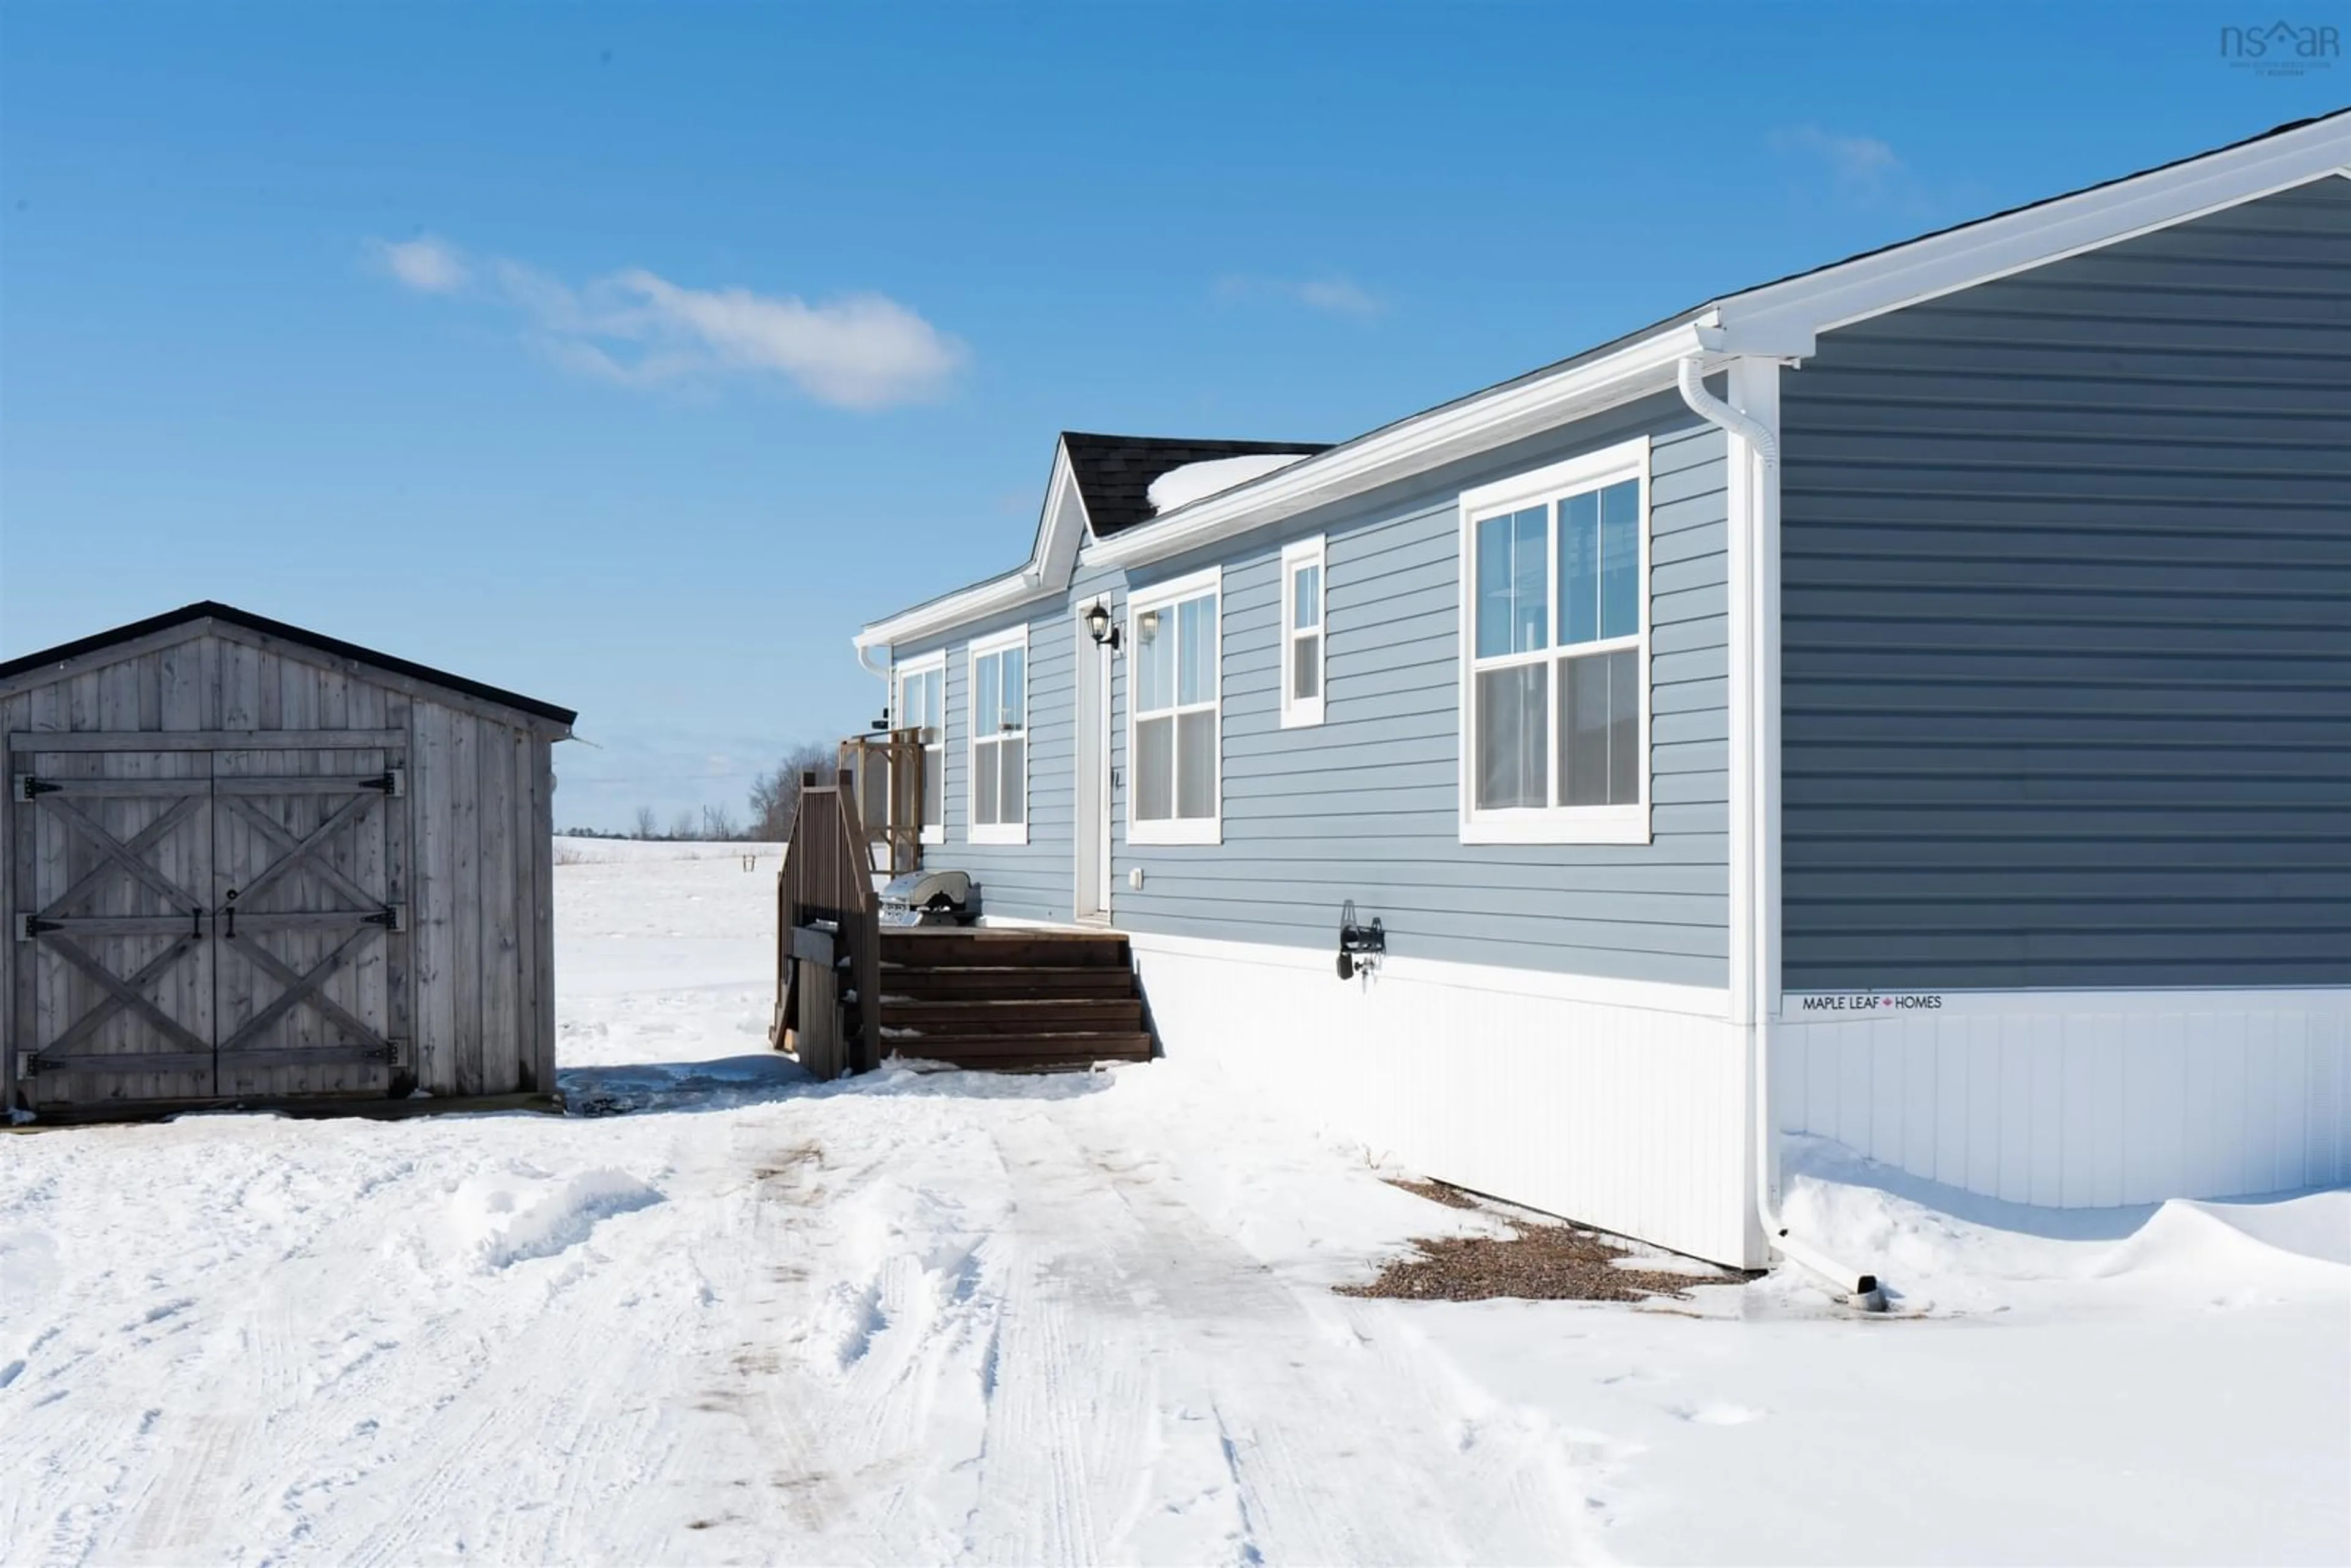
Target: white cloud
1863, 165
1334, 295
861, 350
424, 264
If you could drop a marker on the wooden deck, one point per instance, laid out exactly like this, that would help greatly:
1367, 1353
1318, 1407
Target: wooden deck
850, 991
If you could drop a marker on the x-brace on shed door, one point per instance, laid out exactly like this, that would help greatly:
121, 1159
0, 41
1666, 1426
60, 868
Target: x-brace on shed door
309, 922
201, 923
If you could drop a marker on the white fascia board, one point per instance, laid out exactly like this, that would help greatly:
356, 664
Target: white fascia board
1063, 531
1458, 430
1051, 565
990, 598
1783, 319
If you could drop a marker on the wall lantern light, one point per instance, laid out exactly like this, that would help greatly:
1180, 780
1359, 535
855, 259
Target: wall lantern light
1100, 626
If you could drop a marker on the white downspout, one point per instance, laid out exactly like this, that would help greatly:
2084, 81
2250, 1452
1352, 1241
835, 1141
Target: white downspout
1763, 443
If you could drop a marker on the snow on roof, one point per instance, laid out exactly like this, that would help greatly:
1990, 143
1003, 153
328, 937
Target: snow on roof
1196, 481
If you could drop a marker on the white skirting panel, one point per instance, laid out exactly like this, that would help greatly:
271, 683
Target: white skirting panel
2080, 1100
1623, 1106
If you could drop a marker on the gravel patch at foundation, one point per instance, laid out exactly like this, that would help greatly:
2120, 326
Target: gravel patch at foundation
1541, 1261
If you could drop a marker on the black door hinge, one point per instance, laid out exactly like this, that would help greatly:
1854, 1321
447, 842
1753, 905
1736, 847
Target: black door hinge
32, 925
29, 787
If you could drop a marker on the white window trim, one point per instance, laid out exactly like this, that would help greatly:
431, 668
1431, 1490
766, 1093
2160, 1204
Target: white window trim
1298, 713
1162, 596
927, 665
1616, 824
976, 830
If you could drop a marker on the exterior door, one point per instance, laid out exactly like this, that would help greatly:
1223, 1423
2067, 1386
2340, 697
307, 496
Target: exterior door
308, 926
194, 925
114, 955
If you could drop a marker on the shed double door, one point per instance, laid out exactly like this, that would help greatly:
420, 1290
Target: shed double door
206, 923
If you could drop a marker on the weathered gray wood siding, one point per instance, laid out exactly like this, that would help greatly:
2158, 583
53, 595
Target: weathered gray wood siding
478, 1005
1366, 805
2067, 621
1030, 880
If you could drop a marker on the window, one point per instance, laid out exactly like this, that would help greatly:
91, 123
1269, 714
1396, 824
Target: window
999, 739
1172, 740
1302, 633
922, 704
1555, 698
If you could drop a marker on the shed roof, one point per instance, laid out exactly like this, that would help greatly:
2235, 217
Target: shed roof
1114, 473
212, 610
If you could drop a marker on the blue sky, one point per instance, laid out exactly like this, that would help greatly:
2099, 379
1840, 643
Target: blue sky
633, 357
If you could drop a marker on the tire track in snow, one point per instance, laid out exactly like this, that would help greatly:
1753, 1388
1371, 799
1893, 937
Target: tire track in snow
1319, 1387
1071, 1363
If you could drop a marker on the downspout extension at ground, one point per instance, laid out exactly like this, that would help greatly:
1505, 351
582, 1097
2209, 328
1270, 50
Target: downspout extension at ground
1761, 444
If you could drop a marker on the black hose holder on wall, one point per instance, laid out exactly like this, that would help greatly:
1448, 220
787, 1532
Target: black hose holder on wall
1361, 948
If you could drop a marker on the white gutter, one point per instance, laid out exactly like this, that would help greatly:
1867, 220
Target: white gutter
1762, 444
993, 596
1787, 316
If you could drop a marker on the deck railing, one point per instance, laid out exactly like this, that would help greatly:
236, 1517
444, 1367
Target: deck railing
826, 911
886, 773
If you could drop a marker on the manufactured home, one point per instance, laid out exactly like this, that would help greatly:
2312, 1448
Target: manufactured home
249, 863
1907, 702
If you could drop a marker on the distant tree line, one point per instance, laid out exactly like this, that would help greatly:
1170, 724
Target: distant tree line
774, 798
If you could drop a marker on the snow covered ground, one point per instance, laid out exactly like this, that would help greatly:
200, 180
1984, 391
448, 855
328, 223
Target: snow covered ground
931, 1318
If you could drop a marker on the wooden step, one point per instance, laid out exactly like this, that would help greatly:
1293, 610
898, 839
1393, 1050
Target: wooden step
932, 946
1011, 1053
923, 983
1016, 1014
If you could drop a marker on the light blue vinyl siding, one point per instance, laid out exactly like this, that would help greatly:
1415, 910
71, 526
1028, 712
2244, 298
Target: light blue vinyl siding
2067, 621
1366, 805
1032, 881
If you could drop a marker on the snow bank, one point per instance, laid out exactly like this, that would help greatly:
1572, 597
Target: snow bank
2238, 1253
524, 1213
1946, 1251
2317, 1225
1196, 481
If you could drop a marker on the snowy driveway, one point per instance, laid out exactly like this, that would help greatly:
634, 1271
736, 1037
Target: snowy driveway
952, 1319
1078, 1319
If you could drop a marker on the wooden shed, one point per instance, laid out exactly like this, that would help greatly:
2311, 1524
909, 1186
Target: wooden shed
248, 864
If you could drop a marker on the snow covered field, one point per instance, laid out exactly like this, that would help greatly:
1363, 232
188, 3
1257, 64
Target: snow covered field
940, 1318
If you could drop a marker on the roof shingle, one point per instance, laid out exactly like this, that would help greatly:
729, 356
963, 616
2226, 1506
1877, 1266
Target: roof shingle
1114, 472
